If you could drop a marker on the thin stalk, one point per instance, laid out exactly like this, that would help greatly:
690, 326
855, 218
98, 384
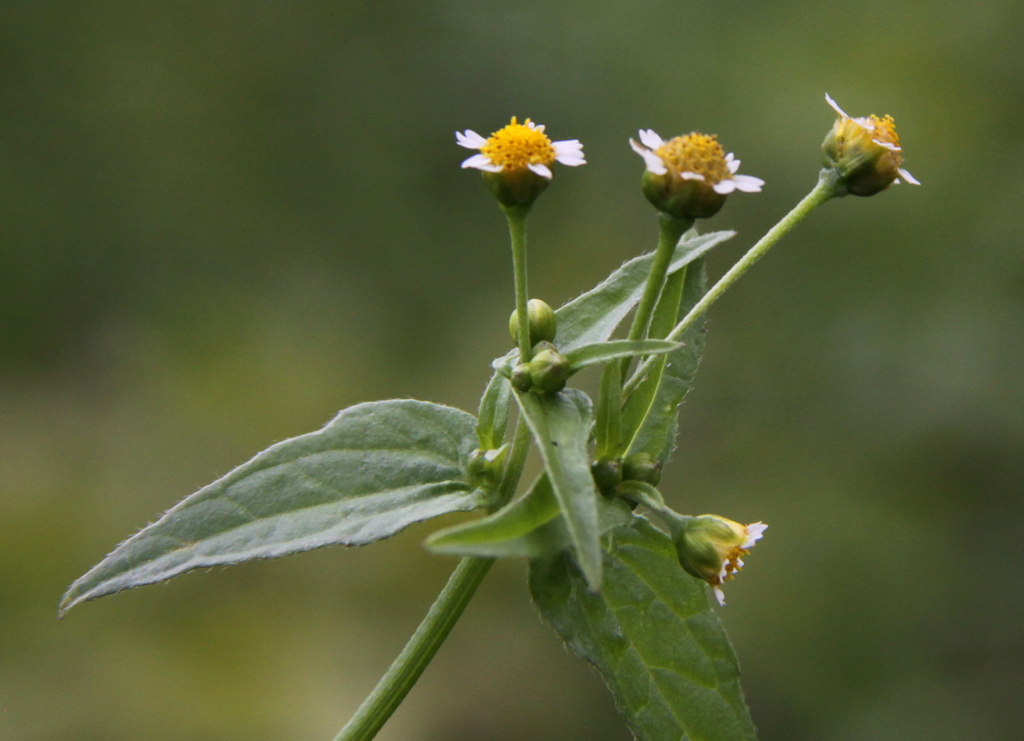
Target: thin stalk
827, 187
446, 610
670, 230
517, 231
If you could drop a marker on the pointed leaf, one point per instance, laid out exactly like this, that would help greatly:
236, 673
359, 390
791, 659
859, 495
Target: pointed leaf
602, 352
532, 527
650, 416
651, 634
594, 315
372, 471
560, 424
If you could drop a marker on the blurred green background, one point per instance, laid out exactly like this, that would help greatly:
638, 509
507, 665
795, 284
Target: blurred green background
222, 222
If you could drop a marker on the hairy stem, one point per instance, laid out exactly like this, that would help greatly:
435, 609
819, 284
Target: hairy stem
517, 231
446, 610
671, 230
826, 188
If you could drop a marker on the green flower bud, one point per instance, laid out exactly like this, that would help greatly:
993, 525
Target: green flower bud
688, 177
607, 473
542, 322
864, 152
485, 466
521, 380
549, 369
641, 467
711, 547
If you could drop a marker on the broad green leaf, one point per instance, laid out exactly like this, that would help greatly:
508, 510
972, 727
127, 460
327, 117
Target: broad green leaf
650, 416
602, 352
493, 415
663, 653
372, 471
594, 315
560, 424
608, 427
531, 527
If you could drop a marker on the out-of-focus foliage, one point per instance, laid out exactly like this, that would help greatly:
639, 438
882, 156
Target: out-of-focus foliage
222, 222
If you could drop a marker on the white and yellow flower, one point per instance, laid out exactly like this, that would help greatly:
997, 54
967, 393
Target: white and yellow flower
865, 152
712, 548
690, 176
516, 160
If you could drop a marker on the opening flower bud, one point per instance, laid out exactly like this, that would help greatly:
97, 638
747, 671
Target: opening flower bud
607, 473
485, 466
549, 369
542, 322
864, 152
711, 548
688, 177
641, 467
521, 380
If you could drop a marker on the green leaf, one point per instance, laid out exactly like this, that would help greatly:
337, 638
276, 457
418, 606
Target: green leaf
663, 653
531, 527
594, 315
560, 424
372, 471
511, 531
608, 428
650, 415
493, 415
602, 352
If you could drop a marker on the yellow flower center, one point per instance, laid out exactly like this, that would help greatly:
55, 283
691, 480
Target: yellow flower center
518, 145
885, 130
697, 153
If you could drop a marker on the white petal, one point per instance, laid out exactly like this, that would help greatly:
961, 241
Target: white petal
569, 152
866, 123
908, 177
724, 187
482, 162
720, 595
571, 160
650, 139
748, 183
538, 127
887, 145
733, 165
470, 139
651, 160
754, 533
541, 170
896, 181
739, 561
691, 176
835, 106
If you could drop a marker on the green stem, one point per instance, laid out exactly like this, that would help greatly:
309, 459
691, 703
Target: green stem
446, 610
517, 231
670, 231
828, 187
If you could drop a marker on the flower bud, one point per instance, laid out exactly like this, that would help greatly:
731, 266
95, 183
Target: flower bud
607, 473
641, 467
521, 380
689, 177
864, 152
542, 322
710, 547
485, 466
549, 369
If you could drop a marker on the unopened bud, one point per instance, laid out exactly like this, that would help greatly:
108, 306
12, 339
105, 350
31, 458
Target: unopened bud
711, 547
607, 473
485, 466
542, 322
549, 369
641, 467
521, 380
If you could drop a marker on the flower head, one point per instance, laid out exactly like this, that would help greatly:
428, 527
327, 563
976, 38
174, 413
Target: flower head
690, 176
865, 152
516, 160
711, 548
